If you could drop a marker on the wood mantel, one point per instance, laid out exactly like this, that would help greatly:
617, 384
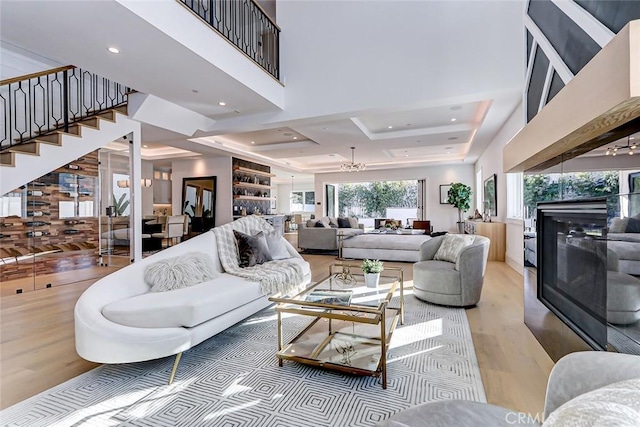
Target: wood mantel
599, 105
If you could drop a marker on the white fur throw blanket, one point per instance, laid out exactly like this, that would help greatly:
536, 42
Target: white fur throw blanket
281, 276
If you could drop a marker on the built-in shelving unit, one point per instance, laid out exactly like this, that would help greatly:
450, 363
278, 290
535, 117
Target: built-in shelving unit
251, 188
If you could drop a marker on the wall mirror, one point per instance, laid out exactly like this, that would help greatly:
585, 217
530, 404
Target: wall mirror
199, 202
490, 195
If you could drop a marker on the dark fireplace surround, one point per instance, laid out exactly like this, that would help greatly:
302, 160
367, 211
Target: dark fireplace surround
572, 256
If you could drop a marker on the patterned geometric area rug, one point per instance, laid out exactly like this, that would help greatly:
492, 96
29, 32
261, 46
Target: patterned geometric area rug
233, 379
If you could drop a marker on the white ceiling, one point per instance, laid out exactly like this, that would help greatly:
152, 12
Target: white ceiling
422, 133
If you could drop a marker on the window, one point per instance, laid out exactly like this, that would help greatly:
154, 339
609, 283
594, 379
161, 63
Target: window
514, 195
303, 201
479, 188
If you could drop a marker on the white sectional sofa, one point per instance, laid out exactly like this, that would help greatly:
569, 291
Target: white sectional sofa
118, 319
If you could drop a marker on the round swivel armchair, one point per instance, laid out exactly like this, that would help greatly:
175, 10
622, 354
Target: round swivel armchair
456, 283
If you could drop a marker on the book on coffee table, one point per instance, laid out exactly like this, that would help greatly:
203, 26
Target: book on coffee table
337, 297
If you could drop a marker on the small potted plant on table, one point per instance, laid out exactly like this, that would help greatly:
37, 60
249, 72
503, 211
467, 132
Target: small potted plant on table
372, 269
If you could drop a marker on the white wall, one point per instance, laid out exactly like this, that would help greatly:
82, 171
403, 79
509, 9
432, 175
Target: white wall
16, 62
283, 193
491, 163
442, 217
219, 167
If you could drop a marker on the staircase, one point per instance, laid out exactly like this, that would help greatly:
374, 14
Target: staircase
43, 112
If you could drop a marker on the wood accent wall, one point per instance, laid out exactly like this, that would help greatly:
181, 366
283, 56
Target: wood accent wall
33, 257
602, 97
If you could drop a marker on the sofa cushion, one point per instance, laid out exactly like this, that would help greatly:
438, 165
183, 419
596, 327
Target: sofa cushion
384, 241
451, 247
185, 307
344, 223
252, 250
616, 404
180, 272
277, 248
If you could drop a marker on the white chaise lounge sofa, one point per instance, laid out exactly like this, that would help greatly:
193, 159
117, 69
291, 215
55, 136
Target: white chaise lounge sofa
143, 325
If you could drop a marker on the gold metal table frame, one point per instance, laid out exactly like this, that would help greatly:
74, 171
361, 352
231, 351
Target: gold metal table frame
350, 338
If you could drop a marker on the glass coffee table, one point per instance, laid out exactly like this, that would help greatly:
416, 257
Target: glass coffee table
352, 325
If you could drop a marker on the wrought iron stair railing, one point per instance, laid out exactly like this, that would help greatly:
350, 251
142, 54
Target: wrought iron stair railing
245, 25
53, 100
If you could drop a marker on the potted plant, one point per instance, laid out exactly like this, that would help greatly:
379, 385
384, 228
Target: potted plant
459, 196
372, 269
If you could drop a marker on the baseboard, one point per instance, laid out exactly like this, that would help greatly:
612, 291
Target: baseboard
517, 265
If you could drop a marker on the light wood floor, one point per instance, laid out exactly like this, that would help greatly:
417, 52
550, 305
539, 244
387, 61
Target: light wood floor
38, 350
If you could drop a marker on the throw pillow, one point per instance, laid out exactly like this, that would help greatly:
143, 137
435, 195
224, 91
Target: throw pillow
354, 222
277, 247
633, 226
619, 225
252, 250
311, 223
321, 224
344, 223
452, 245
616, 404
180, 272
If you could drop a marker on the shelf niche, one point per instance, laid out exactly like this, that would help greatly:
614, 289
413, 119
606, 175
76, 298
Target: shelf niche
251, 188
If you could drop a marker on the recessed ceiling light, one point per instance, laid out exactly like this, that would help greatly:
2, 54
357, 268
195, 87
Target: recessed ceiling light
448, 148
113, 49
222, 103
453, 138
194, 90
448, 152
408, 124
453, 119
456, 107
253, 142
325, 128
295, 137
389, 127
332, 155
145, 146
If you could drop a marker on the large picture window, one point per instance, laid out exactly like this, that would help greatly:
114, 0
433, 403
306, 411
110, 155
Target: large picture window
303, 201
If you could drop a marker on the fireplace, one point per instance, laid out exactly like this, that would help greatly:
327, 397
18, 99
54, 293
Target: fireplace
572, 260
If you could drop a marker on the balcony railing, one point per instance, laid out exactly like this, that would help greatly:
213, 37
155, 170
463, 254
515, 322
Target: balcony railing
244, 24
39, 103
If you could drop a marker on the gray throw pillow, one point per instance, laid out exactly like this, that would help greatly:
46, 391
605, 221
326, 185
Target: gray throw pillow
277, 247
252, 250
180, 272
616, 404
452, 245
353, 222
344, 223
633, 226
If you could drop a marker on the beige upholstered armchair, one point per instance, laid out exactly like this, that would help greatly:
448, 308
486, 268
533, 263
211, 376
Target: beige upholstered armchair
448, 283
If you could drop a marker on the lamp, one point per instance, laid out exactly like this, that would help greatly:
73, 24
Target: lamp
353, 166
631, 146
125, 183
